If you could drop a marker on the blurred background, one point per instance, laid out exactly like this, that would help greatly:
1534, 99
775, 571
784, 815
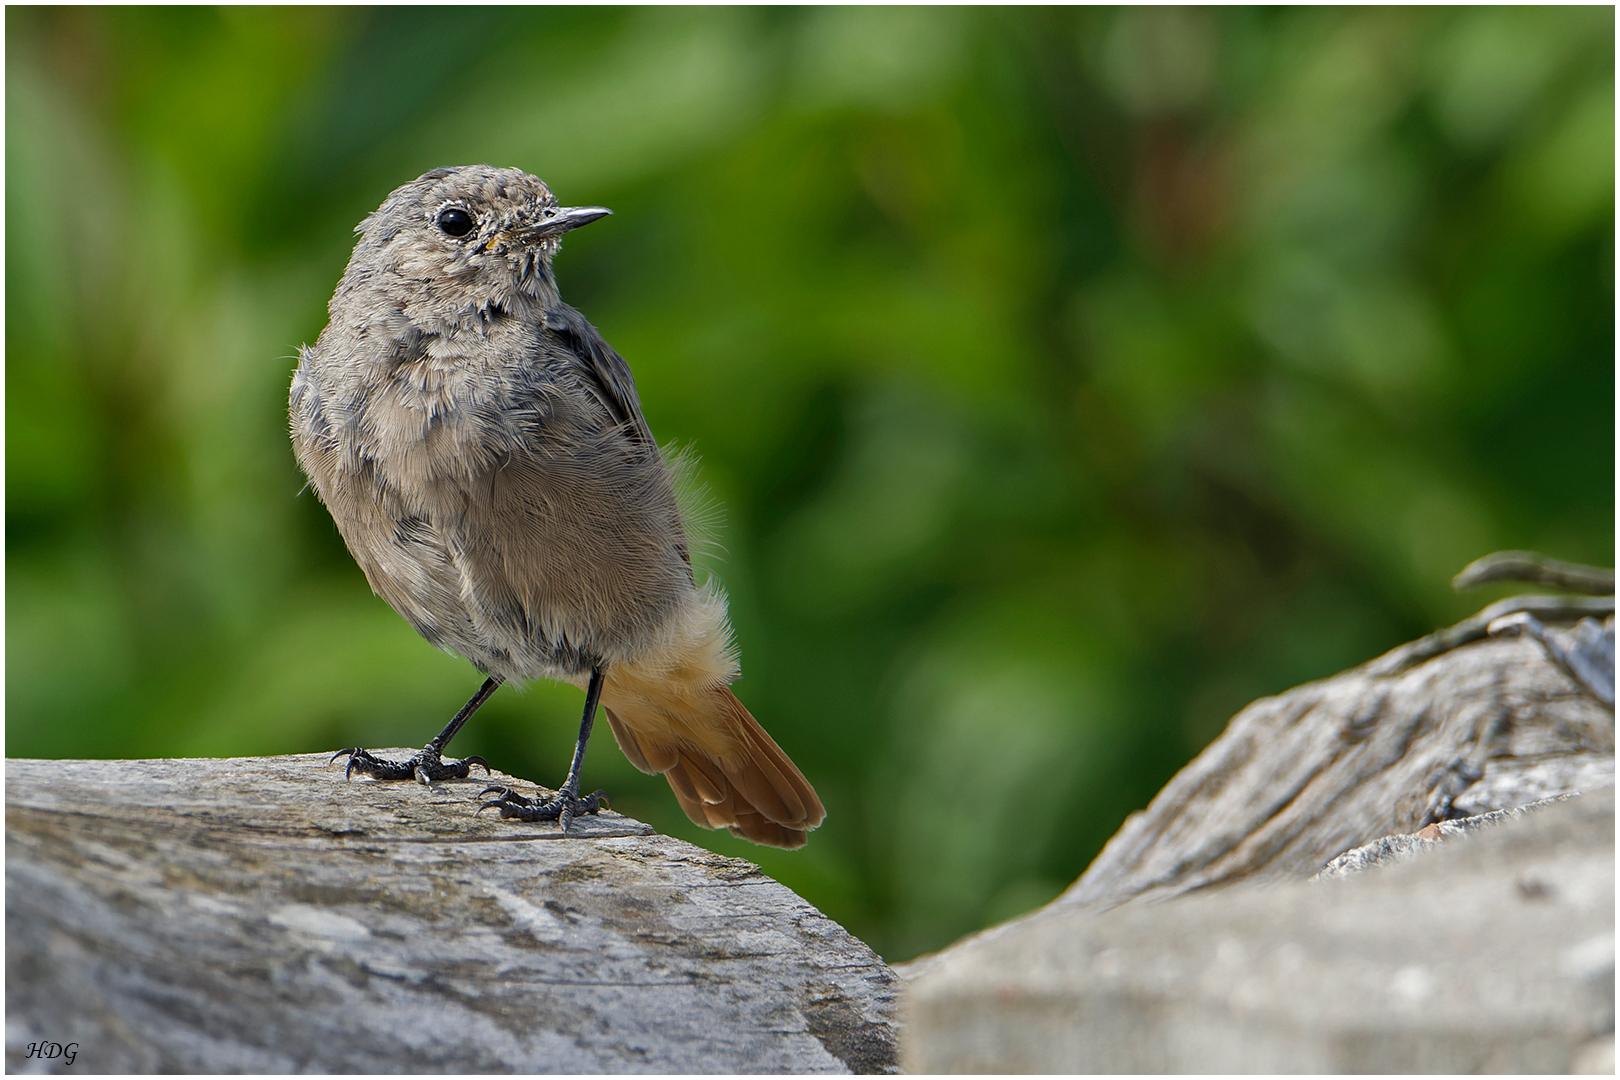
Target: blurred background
1063, 379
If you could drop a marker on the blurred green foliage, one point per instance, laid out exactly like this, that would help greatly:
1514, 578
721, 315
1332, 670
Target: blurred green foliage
1065, 379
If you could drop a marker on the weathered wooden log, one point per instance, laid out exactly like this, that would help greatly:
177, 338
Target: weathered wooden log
262, 915
1495, 954
1449, 726
1491, 953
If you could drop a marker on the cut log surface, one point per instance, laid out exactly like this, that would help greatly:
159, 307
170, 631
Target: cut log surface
263, 915
1479, 944
1492, 953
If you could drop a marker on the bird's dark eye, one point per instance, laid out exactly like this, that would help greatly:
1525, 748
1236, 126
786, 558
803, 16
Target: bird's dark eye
456, 221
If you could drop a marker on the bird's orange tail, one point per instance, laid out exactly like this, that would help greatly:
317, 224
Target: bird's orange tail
726, 772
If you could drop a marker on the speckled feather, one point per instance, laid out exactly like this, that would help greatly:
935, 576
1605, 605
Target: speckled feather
483, 453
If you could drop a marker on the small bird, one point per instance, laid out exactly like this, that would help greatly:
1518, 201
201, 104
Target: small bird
483, 453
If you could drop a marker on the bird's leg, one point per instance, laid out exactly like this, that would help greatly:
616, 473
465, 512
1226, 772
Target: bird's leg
427, 765
567, 804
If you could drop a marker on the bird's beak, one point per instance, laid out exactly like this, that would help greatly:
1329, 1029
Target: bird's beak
563, 219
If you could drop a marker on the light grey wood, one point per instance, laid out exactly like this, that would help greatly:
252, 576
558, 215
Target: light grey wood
1452, 725
1473, 950
263, 915
1491, 953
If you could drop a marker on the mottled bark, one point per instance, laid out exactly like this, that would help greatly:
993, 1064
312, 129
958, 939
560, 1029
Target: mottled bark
263, 915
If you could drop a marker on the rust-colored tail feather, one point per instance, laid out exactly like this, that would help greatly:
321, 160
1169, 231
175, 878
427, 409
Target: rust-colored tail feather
725, 771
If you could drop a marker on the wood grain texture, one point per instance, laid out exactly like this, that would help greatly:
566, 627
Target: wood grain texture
1427, 732
260, 914
1490, 953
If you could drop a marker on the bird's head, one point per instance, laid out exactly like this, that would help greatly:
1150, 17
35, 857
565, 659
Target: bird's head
457, 241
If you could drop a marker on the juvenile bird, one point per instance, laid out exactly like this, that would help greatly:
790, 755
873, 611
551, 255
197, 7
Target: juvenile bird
483, 453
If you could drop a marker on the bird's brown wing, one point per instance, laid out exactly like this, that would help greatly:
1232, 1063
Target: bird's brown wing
603, 373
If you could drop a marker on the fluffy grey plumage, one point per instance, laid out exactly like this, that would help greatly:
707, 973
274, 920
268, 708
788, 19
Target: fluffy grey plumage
484, 455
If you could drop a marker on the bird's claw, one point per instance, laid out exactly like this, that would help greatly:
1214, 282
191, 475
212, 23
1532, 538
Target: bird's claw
425, 766
562, 808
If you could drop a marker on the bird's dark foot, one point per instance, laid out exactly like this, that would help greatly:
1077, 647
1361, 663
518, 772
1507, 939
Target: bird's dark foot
563, 808
425, 766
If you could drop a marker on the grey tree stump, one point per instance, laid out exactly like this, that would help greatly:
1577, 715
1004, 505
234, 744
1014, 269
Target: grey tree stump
1493, 953
1195, 942
262, 915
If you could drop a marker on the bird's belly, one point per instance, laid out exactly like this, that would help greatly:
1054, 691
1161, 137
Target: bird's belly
533, 572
